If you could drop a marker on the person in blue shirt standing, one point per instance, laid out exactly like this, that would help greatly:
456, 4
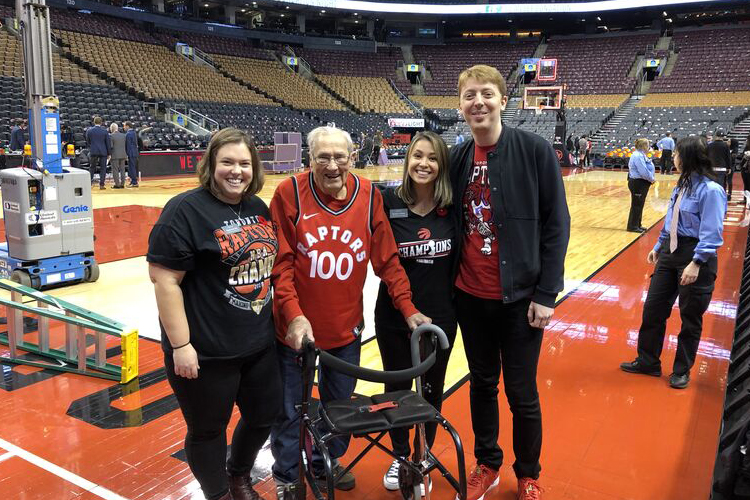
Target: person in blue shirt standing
666, 146
640, 178
686, 264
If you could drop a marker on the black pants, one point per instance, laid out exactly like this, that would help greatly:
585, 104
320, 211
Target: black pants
638, 191
745, 179
694, 299
730, 176
253, 382
498, 335
666, 161
376, 155
98, 162
721, 178
395, 349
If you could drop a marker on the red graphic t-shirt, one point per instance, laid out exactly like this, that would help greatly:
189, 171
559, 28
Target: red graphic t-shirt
479, 271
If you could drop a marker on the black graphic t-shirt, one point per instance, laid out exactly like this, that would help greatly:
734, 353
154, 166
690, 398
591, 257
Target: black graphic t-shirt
425, 247
227, 252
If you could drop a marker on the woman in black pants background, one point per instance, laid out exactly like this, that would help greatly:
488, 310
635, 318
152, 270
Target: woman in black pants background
210, 257
425, 235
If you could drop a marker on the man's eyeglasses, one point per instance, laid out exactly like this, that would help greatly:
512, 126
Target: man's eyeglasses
340, 160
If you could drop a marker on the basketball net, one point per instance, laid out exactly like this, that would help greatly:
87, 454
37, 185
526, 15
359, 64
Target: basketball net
538, 110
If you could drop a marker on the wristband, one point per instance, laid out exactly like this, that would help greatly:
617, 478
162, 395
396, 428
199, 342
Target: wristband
180, 347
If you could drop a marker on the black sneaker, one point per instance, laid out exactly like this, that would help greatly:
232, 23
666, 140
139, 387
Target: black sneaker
638, 367
679, 381
344, 483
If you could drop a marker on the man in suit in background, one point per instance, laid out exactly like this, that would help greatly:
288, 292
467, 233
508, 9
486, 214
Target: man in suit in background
98, 140
132, 150
117, 142
18, 136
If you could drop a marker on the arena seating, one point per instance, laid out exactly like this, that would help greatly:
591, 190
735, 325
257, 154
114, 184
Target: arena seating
681, 114
598, 65
367, 94
709, 60
381, 64
158, 72
355, 124
261, 121
96, 24
218, 45
445, 62
11, 55
272, 77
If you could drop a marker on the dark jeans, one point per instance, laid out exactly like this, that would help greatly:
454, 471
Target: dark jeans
498, 335
253, 383
662, 292
638, 191
332, 385
98, 162
721, 179
666, 161
133, 169
395, 350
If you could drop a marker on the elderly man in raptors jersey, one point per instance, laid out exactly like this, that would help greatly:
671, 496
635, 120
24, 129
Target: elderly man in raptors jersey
330, 224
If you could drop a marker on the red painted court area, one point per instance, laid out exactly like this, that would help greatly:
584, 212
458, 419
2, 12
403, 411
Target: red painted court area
607, 434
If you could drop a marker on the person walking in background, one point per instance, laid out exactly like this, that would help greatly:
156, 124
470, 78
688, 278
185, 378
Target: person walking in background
377, 144
18, 136
97, 139
132, 150
425, 234
721, 157
217, 332
583, 151
686, 264
118, 155
640, 178
666, 146
745, 171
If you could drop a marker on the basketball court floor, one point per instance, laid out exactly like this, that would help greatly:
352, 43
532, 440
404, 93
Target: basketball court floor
607, 434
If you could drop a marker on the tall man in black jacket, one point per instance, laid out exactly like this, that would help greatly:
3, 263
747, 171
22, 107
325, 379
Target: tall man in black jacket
514, 228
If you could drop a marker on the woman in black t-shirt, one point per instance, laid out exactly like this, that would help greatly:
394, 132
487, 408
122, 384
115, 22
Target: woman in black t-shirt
210, 257
425, 234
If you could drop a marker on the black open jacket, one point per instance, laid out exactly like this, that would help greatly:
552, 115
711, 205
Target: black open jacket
529, 209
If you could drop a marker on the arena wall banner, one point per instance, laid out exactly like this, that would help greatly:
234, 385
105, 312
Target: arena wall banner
406, 122
157, 163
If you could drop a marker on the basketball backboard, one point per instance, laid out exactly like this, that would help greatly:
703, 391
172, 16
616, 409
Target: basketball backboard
542, 97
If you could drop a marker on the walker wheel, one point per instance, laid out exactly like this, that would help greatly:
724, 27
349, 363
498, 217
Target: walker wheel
408, 483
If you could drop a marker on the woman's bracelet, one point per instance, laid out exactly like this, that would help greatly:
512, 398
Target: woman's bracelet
180, 347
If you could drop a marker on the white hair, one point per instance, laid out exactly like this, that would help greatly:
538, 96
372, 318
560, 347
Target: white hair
314, 135
113, 128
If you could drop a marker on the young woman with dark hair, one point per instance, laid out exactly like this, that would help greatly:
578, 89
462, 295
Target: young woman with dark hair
685, 258
210, 256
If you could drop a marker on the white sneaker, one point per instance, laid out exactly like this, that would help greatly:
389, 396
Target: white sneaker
421, 485
390, 480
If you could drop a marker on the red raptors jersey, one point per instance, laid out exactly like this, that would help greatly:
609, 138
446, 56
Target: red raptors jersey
322, 266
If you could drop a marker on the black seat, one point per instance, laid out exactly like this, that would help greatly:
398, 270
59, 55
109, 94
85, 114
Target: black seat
380, 412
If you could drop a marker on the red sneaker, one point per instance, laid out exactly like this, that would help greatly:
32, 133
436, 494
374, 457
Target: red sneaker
481, 480
529, 489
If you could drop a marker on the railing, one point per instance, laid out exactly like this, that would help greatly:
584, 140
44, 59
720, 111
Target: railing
183, 119
203, 120
62, 335
408, 101
194, 54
